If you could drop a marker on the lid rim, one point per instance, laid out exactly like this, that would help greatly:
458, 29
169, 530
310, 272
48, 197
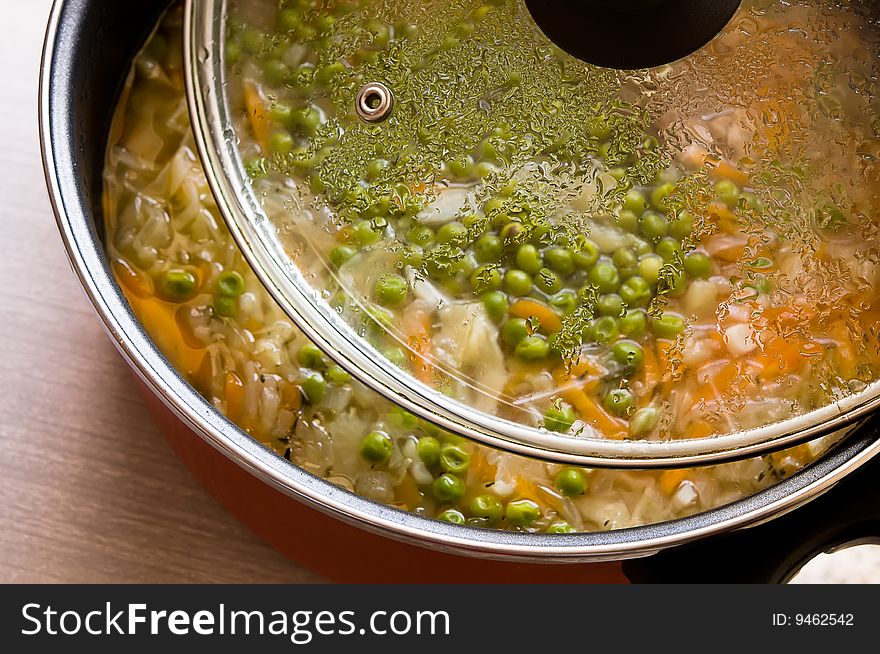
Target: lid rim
224, 170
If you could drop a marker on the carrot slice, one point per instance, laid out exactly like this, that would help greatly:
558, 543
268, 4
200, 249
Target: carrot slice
158, 319
256, 110
407, 494
671, 479
724, 218
234, 392
594, 414
131, 279
651, 372
846, 354
727, 247
721, 169
417, 327
547, 317
580, 368
700, 429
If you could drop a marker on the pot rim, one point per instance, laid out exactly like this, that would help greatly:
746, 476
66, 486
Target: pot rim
88, 260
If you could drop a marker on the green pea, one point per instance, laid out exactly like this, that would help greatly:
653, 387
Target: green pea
634, 323
382, 319
338, 375
619, 402
529, 259
487, 507
649, 268
412, 256
560, 259
178, 284
518, 282
472, 220
396, 355
561, 527
635, 201
629, 354
548, 281
762, 284
452, 516
628, 221
514, 331
522, 513
602, 330
428, 450
493, 205
495, 303
420, 235
233, 51
454, 459
280, 142
510, 231
366, 233
275, 72
635, 291
486, 278
654, 226
391, 290
565, 301
231, 283
459, 169
559, 417
281, 113
587, 256
682, 226
610, 304
697, 265
643, 421
467, 265
660, 195
448, 488
308, 120
605, 276
341, 254
325, 74
669, 325
532, 348
451, 232
225, 306
623, 258
668, 248
727, 192
599, 128
376, 447
310, 356
673, 282
376, 167
289, 19
252, 40
314, 387
571, 482
640, 246
488, 248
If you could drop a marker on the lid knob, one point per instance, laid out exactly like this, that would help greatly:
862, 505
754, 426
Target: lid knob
630, 34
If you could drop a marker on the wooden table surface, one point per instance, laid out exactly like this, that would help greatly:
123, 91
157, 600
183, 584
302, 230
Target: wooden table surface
89, 490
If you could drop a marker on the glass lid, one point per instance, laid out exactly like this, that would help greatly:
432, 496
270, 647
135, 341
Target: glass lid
658, 267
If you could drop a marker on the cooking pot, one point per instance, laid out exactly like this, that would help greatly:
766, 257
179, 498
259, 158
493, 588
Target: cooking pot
88, 50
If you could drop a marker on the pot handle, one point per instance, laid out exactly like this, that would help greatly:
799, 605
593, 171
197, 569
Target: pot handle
773, 552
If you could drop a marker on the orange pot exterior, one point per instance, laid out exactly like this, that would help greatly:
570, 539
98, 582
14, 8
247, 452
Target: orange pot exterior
326, 545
